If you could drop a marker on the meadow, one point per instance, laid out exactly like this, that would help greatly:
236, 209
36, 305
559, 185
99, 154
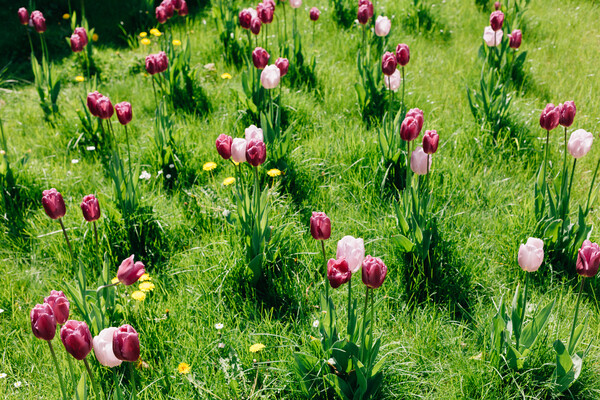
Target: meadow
200, 323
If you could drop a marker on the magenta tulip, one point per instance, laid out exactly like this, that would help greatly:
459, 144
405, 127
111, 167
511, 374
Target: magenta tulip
23, 16
126, 343
256, 152
338, 272
43, 322
105, 108
374, 272
515, 39
245, 18
588, 259
60, 305
38, 21
90, 208
314, 14
320, 226
130, 272
260, 57
124, 112
402, 54
82, 34
183, 11
255, 25
363, 14
550, 117
430, 142
496, 20
53, 203
567, 113
409, 130
92, 102
283, 64
76, 338
223, 144
388, 63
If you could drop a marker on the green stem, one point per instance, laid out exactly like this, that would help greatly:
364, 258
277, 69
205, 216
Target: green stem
60, 378
325, 275
524, 307
106, 286
372, 313
587, 206
545, 163
132, 377
407, 165
91, 375
364, 325
350, 334
575, 317
403, 84
67, 239
128, 153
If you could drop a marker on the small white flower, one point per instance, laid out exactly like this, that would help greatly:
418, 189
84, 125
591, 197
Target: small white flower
226, 213
171, 166
218, 326
90, 148
145, 175
316, 323
1, 311
74, 161
18, 384
168, 176
221, 345
2, 375
159, 172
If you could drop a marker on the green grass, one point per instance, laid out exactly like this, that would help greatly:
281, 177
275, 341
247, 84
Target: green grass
483, 199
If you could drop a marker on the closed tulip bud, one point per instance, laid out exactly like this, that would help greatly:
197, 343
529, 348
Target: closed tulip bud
369, 5
260, 57
374, 272
255, 25
177, 4
363, 14
550, 117
76, 338
23, 16
168, 7
90, 208
295, 3
256, 152
82, 34
183, 11
270, 77
492, 38
162, 61
151, 64
531, 255
314, 14
253, 133
105, 108
103, 348
265, 13
283, 64
238, 150
38, 21
567, 113
60, 306
352, 250
92, 102
43, 322
245, 17
382, 26
580, 143
496, 20
393, 81
223, 144
430, 142
497, 6
161, 14
53, 203
409, 130
76, 43
388, 63
130, 272
320, 226
124, 112
514, 39
588, 259
402, 54
420, 162
126, 343
338, 272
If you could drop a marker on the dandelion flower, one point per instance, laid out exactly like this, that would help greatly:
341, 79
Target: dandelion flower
155, 32
143, 34
114, 280
176, 42
138, 295
145, 277
255, 348
146, 286
95, 37
218, 326
145, 41
79, 78
184, 368
273, 172
66, 16
209, 166
228, 181
226, 75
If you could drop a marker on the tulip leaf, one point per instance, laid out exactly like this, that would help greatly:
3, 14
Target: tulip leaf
514, 358
537, 324
574, 341
551, 231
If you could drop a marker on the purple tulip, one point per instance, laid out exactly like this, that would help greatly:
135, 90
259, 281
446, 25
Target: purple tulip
23, 16
76, 43
567, 113
256, 152
90, 208
265, 12
363, 14
76, 338
260, 57
183, 11
402, 54
314, 14
245, 18
126, 343
409, 130
38, 21
430, 142
43, 322
130, 272
105, 108
53, 203
374, 272
338, 272
550, 117
588, 259
124, 112
255, 25
320, 226
60, 305
223, 144
82, 34
496, 20
515, 39
388, 63
92, 102
283, 64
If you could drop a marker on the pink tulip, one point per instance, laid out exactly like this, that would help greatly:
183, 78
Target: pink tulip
270, 77
588, 259
53, 203
253, 133
103, 348
430, 142
338, 272
60, 306
283, 64
497, 5
531, 255
90, 208
352, 250
23, 16
382, 26
420, 162
402, 54
126, 343
295, 3
256, 152
43, 322
388, 63
223, 144
580, 143
393, 81
492, 38
374, 272
76, 338
567, 113
320, 226
550, 117
130, 272
496, 20
238, 150
515, 39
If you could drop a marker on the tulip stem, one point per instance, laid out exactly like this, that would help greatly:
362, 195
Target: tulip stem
349, 307
325, 262
60, 378
67, 239
372, 319
128, 153
107, 286
403, 84
575, 317
565, 208
364, 325
154, 90
91, 375
132, 377
545, 163
524, 307
587, 207
407, 165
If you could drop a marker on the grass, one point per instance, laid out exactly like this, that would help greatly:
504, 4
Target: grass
483, 200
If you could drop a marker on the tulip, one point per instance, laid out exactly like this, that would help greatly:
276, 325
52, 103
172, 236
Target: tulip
492, 38
420, 162
550, 117
245, 17
392, 82
255, 25
183, 11
161, 14
105, 108
320, 226
92, 102
23, 16
162, 61
338, 272
369, 6
497, 5
352, 250
580, 143
382, 26
60, 306
43, 322
363, 14
253, 133
314, 14
76, 338
295, 3
531, 255
270, 77
430, 142
90, 208
177, 4
223, 144
265, 13
283, 64
124, 113
53, 203
238, 150
82, 34
260, 57
38, 21
567, 113
169, 8
103, 348
515, 39
409, 130
402, 54
126, 343
374, 272
588, 259
496, 20
130, 272
388, 63
256, 152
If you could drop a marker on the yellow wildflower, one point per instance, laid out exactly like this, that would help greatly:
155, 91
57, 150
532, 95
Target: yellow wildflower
273, 172
176, 42
145, 277
209, 166
95, 37
145, 41
79, 78
143, 34
184, 368
155, 32
114, 280
228, 181
138, 295
66, 16
146, 286
255, 348
226, 75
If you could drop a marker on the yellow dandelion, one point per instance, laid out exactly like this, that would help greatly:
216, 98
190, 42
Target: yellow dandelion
145, 277
145, 41
66, 16
155, 32
79, 78
255, 348
273, 172
228, 181
146, 286
138, 295
176, 42
226, 75
95, 37
184, 368
114, 280
143, 34
209, 166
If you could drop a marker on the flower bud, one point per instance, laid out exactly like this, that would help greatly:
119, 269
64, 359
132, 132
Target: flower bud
103, 348
256, 152
374, 272
270, 77
130, 272
92, 102
531, 255
43, 322
363, 14
402, 54
314, 14
430, 142
105, 108
162, 61
567, 113
338, 272
169, 7
90, 208
420, 162
126, 343
388, 63
283, 64
255, 25
53, 203
352, 250
23, 16
265, 12
60, 306
409, 130
260, 57
580, 143
369, 6
82, 34
253, 133
550, 117
514, 39
245, 17
382, 26
161, 14
496, 20
76, 338
588, 259
497, 6
38, 21
223, 144
124, 112
320, 226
